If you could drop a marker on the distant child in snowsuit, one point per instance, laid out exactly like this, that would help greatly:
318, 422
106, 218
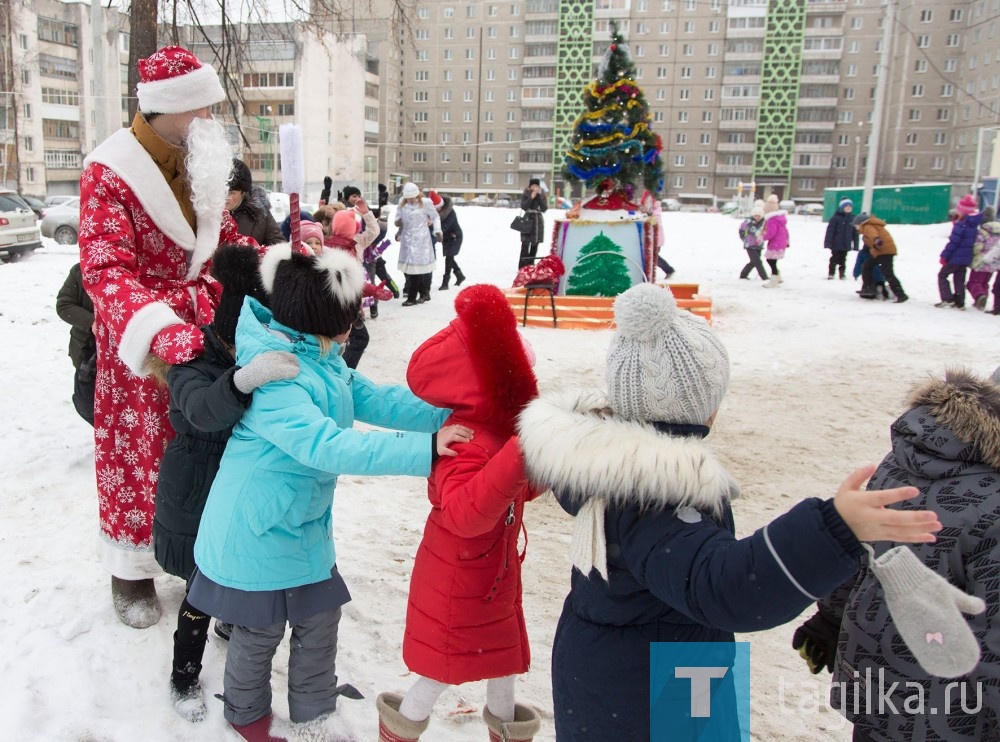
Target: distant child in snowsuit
73, 305
946, 443
986, 262
882, 252
207, 398
265, 550
752, 234
776, 237
464, 621
654, 554
841, 237
957, 254
419, 225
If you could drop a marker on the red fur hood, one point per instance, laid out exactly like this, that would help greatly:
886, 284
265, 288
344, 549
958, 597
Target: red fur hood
477, 365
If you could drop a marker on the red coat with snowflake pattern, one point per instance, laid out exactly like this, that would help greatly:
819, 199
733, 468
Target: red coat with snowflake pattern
147, 273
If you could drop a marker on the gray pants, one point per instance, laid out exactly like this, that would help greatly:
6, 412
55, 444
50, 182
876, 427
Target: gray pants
312, 669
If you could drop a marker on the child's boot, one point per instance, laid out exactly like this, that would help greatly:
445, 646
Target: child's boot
185, 689
392, 725
525, 726
258, 731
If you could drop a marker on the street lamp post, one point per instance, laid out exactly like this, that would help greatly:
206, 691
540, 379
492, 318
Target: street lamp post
857, 153
267, 137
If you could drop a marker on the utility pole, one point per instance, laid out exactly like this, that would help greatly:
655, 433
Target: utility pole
877, 115
100, 88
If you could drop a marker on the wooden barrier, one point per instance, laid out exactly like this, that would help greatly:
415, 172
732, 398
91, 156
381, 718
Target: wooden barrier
595, 312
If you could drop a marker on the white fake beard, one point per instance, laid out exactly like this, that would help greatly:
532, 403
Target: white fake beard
209, 163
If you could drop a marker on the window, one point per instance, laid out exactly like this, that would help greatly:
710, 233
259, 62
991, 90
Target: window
943, 114
658, 117
420, 117
22, 41
420, 137
685, 72
682, 138
688, 26
956, 15
909, 162
664, 50
687, 50
663, 72
445, 117
845, 117
713, 50
926, 16
26, 79
423, 14
678, 181
710, 94
911, 138
682, 117
703, 160
58, 32
856, 22
702, 182
807, 184
950, 65
937, 163
706, 138
940, 138
947, 90
839, 163
52, 66
678, 160
661, 94
953, 40
29, 144
268, 79
684, 94
706, 117
422, 76
57, 97
914, 114
917, 91
848, 93
420, 96
470, 75
422, 34
851, 70
920, 65
446, 96
710, 72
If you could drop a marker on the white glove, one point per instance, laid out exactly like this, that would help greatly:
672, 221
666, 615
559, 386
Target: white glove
274, 365
927, 610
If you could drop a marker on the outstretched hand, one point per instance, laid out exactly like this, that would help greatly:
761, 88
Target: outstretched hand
866, 514
452, 434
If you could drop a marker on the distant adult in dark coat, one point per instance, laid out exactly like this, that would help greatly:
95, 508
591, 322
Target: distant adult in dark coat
534, 204
451, 243
250, 208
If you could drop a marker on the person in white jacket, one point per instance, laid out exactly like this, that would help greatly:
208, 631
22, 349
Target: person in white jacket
417, 220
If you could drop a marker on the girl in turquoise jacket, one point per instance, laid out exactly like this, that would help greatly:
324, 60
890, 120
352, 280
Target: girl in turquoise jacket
265, 551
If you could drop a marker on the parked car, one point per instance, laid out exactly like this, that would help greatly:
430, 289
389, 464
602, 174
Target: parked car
787, 205
504, 202
62, 222
18, 227
811, 209
56, 200
37, 205
458, 201
671, 204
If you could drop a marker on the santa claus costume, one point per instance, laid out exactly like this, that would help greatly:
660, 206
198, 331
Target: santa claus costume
151, 216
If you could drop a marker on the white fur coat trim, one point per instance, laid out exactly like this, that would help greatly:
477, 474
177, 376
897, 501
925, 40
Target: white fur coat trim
573, 443
145, 324
132, 163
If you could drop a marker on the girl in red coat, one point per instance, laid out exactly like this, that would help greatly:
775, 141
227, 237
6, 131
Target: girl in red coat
464, 621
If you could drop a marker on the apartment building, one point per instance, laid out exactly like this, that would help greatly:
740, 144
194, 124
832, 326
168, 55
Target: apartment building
59, 98
66, 89
776, 92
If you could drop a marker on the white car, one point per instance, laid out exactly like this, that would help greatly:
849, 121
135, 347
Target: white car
671, 204
19, 235
62, 222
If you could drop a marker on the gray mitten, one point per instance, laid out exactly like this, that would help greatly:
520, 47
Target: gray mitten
927, 610
271, 366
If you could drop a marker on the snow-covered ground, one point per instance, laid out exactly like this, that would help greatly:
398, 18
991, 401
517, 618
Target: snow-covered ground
817, 377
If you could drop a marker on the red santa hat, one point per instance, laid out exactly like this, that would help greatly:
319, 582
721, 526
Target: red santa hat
436, 199
172, 80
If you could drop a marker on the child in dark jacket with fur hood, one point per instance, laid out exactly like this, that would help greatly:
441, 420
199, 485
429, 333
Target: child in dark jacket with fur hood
655, 558
947, 444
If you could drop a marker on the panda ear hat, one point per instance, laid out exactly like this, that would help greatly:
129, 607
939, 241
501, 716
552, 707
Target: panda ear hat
317, 295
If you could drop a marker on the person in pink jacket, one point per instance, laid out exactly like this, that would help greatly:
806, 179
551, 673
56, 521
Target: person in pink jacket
776, 236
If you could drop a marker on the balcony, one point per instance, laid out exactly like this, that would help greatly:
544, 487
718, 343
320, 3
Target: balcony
818, 102
743, 170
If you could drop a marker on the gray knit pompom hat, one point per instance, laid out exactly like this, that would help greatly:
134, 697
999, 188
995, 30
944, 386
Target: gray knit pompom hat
664, 363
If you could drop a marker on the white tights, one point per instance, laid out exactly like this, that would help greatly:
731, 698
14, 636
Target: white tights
423, 694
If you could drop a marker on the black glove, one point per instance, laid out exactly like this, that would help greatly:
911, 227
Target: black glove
816, 641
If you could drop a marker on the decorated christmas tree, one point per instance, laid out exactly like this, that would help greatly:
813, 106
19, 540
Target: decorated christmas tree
612, 138
600, 270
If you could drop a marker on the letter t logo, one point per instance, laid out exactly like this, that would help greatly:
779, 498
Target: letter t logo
701, 687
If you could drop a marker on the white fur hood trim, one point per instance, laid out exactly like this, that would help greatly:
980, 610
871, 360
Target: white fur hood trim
573, 443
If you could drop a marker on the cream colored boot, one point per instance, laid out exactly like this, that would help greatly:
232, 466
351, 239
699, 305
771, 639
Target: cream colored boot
773, 282
392, 725
525, 726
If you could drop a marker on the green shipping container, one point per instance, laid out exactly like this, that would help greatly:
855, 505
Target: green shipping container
917, 203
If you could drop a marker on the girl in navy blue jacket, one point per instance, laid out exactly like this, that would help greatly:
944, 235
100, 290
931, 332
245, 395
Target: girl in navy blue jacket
957, 254
654, 552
